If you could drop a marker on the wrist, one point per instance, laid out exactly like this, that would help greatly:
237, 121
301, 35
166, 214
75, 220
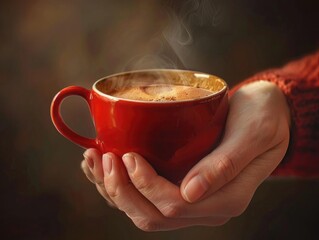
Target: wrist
270, 96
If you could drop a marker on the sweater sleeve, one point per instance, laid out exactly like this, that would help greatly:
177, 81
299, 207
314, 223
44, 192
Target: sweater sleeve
299, 81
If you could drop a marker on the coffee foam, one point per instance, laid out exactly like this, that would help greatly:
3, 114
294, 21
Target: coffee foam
160, 85
161, 92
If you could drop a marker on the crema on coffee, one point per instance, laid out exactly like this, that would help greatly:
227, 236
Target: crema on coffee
160, 92
160, 85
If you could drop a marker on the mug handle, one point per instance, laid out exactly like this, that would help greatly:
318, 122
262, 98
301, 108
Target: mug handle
60, 124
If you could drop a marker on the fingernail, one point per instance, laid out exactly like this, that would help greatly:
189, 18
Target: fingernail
107, 162
195, 188
89, 161
129, 162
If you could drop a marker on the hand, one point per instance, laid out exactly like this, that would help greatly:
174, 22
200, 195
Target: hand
220, 186
92, 168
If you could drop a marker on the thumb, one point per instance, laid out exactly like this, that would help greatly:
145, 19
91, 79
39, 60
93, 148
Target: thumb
217, 169
208, 176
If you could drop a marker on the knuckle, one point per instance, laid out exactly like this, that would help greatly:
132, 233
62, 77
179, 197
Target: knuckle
146, 224
112, 191
227, 168
264, 124
268, 131
172, 211
143, 184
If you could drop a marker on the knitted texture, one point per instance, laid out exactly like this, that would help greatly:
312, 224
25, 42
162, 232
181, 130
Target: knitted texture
299, 81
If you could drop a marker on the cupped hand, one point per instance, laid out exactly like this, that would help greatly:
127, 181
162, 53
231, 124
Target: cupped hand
216, 189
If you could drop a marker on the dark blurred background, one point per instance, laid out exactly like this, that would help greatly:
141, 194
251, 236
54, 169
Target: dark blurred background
47, 45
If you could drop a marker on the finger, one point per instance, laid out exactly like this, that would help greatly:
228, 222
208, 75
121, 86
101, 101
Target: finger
87, 171
232, 199
123, 193
94, 160
216, 169
99, 186
141, 211
163, 194
92, 166
101, 189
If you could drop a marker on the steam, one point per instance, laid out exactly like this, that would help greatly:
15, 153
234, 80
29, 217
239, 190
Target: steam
192, 14
201, 12
177, 31
171, 47
150, 61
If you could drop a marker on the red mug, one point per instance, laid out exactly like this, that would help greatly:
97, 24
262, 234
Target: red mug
172, 135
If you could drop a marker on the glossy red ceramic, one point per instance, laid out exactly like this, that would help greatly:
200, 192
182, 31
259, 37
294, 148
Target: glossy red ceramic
172, 136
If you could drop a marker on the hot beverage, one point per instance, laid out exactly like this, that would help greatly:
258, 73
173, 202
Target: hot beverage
160, 92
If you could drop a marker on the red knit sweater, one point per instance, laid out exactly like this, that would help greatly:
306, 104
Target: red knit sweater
299, 81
